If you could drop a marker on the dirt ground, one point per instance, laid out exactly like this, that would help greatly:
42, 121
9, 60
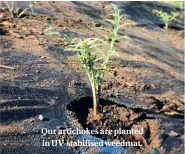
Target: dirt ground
146, 75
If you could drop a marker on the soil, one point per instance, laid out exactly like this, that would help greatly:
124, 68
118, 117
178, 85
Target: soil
145, 78
113, 117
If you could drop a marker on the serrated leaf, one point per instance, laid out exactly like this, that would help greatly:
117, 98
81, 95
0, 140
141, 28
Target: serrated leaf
95, 46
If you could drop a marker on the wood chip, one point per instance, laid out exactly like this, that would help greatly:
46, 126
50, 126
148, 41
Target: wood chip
7, 67
153, 86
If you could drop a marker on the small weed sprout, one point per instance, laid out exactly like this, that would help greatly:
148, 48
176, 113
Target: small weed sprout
30, 6
167, 18
94, 60
11, 9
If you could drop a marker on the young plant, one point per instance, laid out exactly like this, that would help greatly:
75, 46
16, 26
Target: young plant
11, 9
30, 6
167, 18
94, 60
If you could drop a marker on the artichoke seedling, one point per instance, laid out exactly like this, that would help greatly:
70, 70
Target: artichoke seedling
167, 18
93, 58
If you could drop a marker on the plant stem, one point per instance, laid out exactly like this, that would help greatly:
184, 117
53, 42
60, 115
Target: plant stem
166, 25
95, 100
95, 92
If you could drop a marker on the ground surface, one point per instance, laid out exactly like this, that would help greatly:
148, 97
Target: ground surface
146, 74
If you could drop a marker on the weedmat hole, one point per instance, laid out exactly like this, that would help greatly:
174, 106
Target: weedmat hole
81, 108
116, 117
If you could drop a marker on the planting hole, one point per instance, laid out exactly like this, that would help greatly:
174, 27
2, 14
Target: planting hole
117, 117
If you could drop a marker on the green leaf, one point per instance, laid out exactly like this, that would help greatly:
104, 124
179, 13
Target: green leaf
124, 37
73, 49
110, 21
